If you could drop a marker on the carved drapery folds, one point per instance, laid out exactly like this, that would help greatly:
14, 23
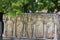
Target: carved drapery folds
30, 26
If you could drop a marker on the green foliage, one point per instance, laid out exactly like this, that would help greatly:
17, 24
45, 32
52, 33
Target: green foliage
14, 7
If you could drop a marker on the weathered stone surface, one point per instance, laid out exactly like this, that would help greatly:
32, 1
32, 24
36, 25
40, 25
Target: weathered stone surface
31, 26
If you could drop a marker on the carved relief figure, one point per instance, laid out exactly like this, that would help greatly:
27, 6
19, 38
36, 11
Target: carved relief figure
19, 27
29, 27
9, 27
50, 27
39, 26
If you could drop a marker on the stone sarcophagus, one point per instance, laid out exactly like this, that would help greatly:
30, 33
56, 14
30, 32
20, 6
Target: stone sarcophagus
31, 25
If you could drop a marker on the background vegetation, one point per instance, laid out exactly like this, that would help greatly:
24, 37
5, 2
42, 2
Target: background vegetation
14, 7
